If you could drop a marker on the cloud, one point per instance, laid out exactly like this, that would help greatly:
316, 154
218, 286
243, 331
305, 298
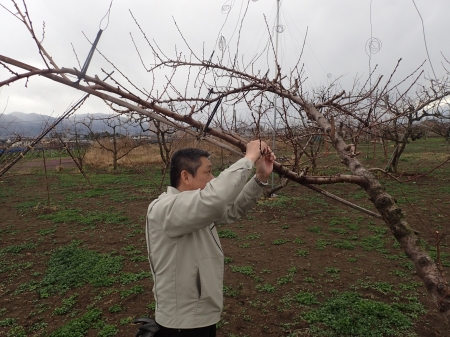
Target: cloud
335, 44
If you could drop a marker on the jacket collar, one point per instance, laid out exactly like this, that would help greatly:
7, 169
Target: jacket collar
172, 190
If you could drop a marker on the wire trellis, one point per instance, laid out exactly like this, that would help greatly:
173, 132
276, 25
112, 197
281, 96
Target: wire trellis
373, 45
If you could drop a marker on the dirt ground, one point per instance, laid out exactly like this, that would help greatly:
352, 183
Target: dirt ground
299, 242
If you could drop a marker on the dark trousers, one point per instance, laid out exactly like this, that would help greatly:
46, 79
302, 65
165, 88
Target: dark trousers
207, 331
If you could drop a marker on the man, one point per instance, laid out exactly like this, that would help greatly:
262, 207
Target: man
185, 254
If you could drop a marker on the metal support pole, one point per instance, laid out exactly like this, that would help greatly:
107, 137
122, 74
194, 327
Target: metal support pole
276, 75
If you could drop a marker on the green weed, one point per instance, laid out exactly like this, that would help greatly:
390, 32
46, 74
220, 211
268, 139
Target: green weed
371, 243
227, 233
38, 326
332, 270
278, 201
349, 314
132, 291
252, 237
131, 250
412, 309
266, 288
339, 221
344, 244
315, 229
278, 242
305, 298
7, 322
71, 267
230, 291
79, 326
246, 270
127, 278
399, 273
289, 278
26, 206
108, 330
228, 260
140, 258
85, 218
339, 231
68, 303
125, 320
17, 331
17, 249
408, 265
151, 306
115, 308
412, 285
382, 287
321, 244
299, 241
302, 252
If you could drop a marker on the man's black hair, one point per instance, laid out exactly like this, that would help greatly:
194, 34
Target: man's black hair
185, 159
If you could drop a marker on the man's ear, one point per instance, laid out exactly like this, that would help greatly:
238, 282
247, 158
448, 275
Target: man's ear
185, 178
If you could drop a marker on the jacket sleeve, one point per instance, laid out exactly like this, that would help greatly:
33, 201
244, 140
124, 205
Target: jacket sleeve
245, 201
189, 211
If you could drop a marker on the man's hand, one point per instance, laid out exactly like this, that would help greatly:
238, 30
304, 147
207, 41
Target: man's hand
255, 149
259, 153
264, 165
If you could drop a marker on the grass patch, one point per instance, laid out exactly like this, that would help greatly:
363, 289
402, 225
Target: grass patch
132, 291
305, 298
127, 278
85, 218
68, 304
344, 244
278, 242
230, 291
79, 326
227, 233
348, 314
17, 249
246, 270
315, 229
71, 267
266, 288
370, 243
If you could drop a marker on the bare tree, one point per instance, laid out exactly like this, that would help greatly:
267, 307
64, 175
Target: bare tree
405, 114
235, 83
115, 140
78, 144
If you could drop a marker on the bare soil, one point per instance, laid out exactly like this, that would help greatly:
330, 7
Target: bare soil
295, 234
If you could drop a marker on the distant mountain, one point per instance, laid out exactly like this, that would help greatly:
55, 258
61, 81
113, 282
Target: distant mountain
32, 124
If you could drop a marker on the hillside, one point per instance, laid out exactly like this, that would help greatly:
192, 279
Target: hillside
32, 124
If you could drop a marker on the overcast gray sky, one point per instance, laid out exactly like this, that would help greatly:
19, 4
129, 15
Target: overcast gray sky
338, 32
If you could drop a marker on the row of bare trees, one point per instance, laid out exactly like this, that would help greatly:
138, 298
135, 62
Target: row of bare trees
118, 138
384, 109
307, 142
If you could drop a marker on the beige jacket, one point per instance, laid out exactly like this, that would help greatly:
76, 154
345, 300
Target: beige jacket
184, 250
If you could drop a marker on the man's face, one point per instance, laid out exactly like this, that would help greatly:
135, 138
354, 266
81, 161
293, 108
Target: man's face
204, 175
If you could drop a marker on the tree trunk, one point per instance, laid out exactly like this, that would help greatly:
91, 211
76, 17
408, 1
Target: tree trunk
115, 154
426, 268
392, 166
